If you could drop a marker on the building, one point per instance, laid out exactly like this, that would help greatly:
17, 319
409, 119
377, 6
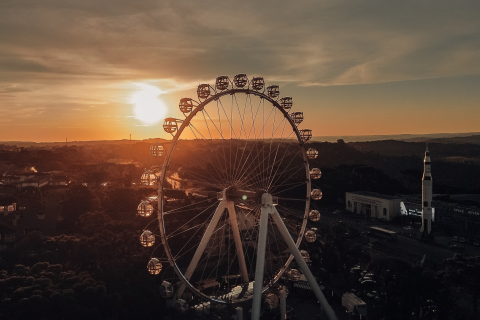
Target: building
374, 205
36, 180
9, 235
451, 217
354, 304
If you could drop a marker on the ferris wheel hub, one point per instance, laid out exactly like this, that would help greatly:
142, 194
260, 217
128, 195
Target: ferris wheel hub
233, 193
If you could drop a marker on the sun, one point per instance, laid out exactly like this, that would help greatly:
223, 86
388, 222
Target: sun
148, 107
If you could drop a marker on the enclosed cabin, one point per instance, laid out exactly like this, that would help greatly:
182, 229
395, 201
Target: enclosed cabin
148, 178
203, 91
257, 83
273, 91
312, 153
170, 125
240, 80
222, 83
286, 103
306, 134
186, 105
297, 117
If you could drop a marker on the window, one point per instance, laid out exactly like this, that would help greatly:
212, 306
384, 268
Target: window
349, 204
384, 211
10, 237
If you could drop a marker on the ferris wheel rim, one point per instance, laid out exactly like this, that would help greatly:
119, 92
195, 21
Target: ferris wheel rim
166, 163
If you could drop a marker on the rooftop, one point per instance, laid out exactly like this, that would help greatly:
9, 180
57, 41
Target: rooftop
374, 195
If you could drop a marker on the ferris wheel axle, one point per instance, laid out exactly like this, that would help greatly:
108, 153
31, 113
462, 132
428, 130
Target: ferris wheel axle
232, 193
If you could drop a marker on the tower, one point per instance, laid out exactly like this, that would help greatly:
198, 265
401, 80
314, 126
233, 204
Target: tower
427, 195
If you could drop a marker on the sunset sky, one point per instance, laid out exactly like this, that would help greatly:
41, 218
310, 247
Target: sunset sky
74, 69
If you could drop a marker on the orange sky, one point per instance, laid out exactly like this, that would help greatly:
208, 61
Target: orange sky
354, 68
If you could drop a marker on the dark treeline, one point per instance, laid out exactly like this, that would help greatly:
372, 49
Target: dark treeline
92, 266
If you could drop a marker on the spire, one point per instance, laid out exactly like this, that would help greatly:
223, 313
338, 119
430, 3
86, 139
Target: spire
426, 150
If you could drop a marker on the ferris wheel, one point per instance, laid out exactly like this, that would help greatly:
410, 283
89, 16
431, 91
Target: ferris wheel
238, 149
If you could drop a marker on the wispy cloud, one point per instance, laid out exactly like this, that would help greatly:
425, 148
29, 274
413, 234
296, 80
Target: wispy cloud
63, 56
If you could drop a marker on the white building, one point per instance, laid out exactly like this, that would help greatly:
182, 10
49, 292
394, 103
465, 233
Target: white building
373, 204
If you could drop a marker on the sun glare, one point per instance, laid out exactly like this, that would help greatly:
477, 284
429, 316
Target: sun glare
149, 108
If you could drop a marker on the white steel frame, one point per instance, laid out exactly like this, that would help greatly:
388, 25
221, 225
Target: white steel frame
267, 209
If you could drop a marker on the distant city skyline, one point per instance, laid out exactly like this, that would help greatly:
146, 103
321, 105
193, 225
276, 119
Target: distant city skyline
88, 70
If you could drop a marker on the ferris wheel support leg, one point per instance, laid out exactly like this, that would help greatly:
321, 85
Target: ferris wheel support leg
238, 241
259, 268
283, 304
303, 265
201, 247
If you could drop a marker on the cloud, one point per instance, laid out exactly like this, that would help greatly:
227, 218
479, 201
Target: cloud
322, 42
65, 55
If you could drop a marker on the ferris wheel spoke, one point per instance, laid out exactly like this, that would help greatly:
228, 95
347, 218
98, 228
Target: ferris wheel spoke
253, 162
250, 131
172, 234
288, 212
206, 259
254, 118
240, 117
232, 132
193, 132
249, 235
242, 120
221, 135
219, 260
218, 130
182, 252
277, 242
293, 173
254, 179
201, 177
243, 171
303, 183
200, 133
222, 180
292, 184
259, 155
224, 139
204, 179
206, 124
203, 243
276, 154
207, 155
238, 242
295, 152
265, 121
270, 146
235, 158
188, 251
